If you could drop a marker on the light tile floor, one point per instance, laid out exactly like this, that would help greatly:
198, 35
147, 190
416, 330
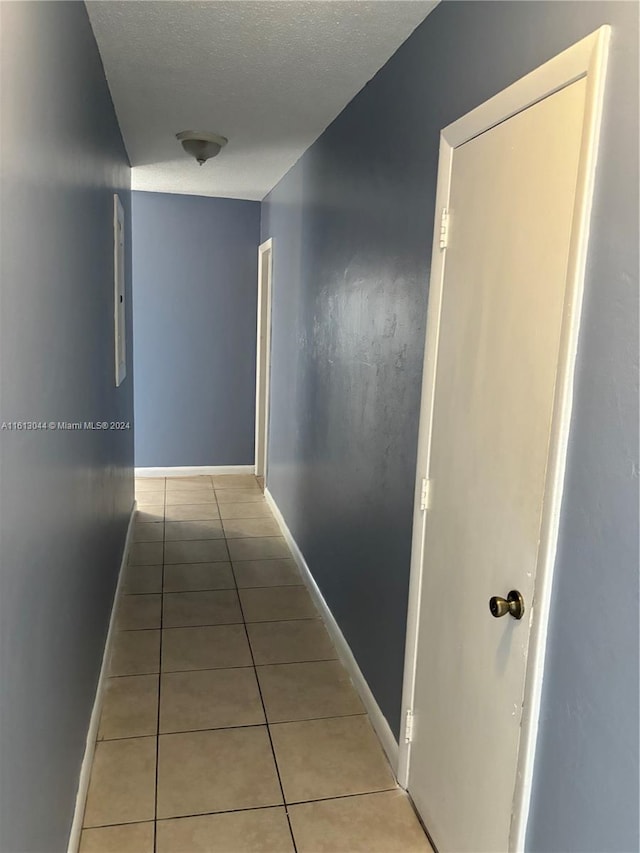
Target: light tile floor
229, 725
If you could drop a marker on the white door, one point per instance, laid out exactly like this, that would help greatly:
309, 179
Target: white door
511, 202
263, 356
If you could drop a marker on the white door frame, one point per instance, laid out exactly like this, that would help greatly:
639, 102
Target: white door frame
586, 59
263, 356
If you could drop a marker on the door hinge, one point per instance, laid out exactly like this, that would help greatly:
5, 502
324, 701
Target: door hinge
408, 725
444, 228
425, 494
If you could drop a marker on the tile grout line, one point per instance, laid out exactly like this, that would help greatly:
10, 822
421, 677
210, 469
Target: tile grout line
264, 711
218, 668
220, 624
211, 589
254, 808
155, 793
229, 728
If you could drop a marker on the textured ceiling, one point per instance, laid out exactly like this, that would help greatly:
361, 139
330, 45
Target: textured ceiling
268, 74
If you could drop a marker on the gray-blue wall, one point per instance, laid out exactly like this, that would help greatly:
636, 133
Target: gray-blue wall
65, 497
352, 224
195, 274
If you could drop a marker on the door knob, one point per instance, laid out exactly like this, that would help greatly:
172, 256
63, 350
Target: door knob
513, 604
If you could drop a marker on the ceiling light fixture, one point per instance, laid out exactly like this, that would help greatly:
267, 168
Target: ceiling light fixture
200, 145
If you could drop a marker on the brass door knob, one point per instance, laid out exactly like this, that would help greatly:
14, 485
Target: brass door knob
513, 604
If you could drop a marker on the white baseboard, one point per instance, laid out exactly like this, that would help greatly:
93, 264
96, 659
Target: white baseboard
92, 734
195, 470
378, 720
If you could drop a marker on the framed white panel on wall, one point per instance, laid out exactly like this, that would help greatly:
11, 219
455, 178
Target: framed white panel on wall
119, 307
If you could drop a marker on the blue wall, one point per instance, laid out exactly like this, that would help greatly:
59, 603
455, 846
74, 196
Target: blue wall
195, 289
352, 224
65, 497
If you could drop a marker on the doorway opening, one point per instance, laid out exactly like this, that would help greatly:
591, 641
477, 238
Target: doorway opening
263, 358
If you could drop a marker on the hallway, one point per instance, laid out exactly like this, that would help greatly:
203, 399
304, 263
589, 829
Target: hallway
314, 238
228, 723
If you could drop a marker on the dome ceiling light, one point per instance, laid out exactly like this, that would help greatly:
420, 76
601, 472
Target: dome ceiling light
201, 145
